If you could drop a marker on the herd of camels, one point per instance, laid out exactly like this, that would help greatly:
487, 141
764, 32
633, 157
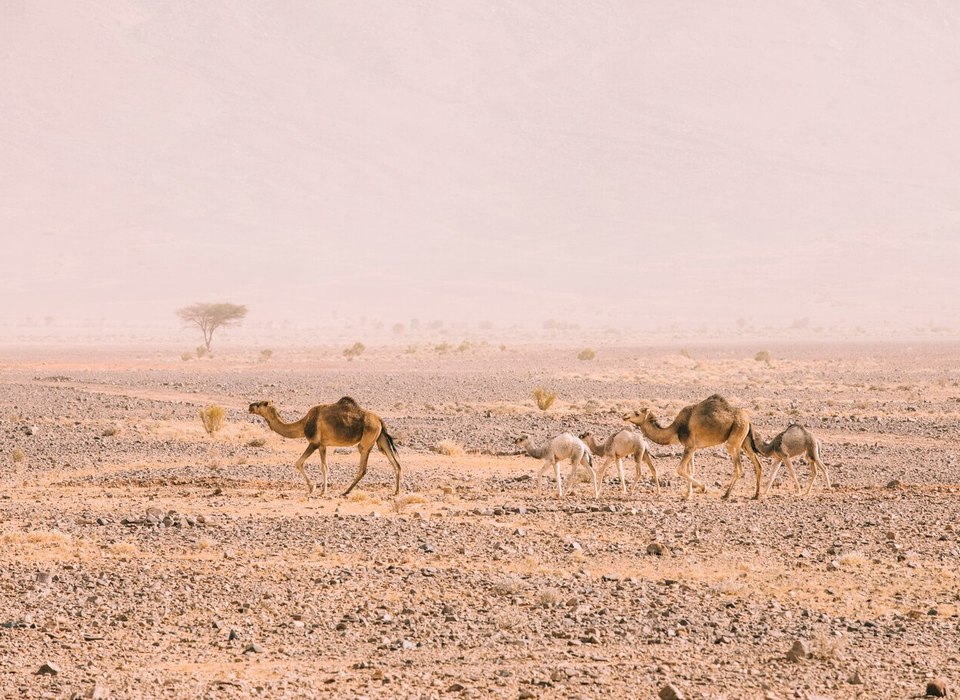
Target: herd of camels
709, 423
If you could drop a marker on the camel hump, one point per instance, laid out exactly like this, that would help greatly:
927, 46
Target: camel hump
348, 401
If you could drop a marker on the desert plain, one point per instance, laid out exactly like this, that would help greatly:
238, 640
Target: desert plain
142, 557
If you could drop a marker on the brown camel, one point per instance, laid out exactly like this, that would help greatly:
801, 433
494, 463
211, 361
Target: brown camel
340, 424
795, 441
711, 422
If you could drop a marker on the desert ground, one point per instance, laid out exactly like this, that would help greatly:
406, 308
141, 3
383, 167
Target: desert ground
142, 557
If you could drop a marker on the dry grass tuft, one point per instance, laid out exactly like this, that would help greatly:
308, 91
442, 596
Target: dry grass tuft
47, 538
586, 354
762, 356
212, 418
828, 646
544, 398
17, 456
852, 560
186, 356
123, 550
256, 442
355, 350
202, 352
549, 598
449, 448
266, 354
401, 503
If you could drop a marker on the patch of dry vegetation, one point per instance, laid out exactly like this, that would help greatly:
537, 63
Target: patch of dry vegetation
544, 398
449, 448
586, 354
212, 417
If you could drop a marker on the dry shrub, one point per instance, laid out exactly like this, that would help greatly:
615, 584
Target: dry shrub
852, 559
449, 448
123, 550
443, 348
186, 356
17, 456
202, 351
256, 442
212, 418
685, 353
586, 354
355, 350
509, 621
464, 346
762, 356
828, 646
110, 431
549, 598
266, 354
544, 398
401, 503
49, 538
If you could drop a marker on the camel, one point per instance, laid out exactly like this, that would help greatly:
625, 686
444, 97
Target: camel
711, 422
341, 424
554, 451
795, 441
618, 446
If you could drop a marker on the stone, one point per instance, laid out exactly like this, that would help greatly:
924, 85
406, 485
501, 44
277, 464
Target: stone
253, 649
48, 669
855, 678
658, 549
937, 688
800, 651
97, 692
526, 694
670, 692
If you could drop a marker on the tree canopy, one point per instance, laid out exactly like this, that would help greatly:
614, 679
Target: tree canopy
210, 317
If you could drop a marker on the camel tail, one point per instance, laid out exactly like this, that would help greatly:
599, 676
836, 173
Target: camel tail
753, 442
391, 445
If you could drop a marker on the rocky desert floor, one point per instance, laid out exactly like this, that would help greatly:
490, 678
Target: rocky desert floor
142, 557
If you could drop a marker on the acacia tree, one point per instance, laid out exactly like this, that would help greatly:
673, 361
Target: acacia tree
210, 317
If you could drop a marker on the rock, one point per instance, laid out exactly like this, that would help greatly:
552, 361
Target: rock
937, 688
856, 678
894, 484
30, 430
526, 694
407, 644
253, 649
657, 548
800, 651
48, 669
670, 692
97, 692
455, 688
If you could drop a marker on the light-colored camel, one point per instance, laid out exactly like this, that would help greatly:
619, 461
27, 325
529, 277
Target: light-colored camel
795, 441
340, 424
555, 450
617, 447
711, 422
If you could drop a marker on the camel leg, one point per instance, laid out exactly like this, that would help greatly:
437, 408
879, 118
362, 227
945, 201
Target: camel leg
636, 475
684, 471
556, 472
792, 472
603, 469
823, 467
653, 470
311, 448
737, 469
323, 469
572, 476
546, 465
757, 471
593, 474
623, 477
773, 477
364, 456
383, 444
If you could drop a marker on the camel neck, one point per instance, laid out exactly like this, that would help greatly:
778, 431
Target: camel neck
289, 430
661, 436
535, 452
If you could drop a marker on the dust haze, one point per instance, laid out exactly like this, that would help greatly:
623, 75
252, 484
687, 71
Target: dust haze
636, 165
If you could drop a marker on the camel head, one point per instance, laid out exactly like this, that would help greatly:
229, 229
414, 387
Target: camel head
639, 417
260, 407
520, 440
584, 436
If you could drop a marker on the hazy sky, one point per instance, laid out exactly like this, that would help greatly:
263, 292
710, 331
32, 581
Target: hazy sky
635, 162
